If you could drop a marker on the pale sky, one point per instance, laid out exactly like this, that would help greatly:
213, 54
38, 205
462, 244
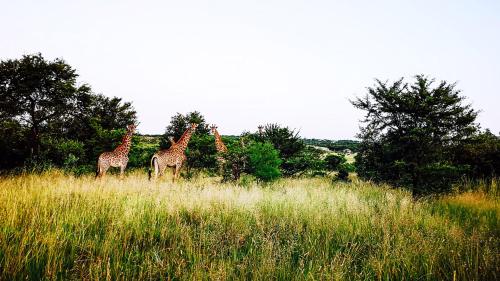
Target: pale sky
241, 64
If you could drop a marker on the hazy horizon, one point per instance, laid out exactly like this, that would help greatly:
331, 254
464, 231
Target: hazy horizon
243, 64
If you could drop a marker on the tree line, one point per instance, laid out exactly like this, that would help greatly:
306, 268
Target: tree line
420, 135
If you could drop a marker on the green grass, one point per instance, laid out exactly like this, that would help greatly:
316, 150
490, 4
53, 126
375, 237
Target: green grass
54, 226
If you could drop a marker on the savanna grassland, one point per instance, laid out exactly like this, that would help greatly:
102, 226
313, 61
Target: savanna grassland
56, 226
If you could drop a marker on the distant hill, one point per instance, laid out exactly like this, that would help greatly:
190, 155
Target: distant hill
334, 145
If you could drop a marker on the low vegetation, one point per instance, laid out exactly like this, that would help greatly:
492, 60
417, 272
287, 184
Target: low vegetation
57, 226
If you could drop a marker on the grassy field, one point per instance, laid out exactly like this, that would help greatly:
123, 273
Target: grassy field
54, 226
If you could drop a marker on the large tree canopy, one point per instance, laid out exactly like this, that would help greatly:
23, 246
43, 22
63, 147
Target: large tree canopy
35, 92
42, 106
411, 131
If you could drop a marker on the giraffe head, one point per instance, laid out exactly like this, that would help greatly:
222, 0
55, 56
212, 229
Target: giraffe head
193, 126
131, 128
213, 128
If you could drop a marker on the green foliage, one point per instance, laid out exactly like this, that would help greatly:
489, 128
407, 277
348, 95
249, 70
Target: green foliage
258, 159
141, 150
333, 161
13, 144
342, 145
482, 154
308, 160
264, 161
235, 161
179, 123
46, 116
63, 152
410, 133
342, 175
343, 171
286, 141
36, 92
201, 152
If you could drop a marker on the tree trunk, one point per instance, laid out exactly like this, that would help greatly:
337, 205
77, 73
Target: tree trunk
35, 140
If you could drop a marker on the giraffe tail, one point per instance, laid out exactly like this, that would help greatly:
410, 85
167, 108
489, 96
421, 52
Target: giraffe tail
97, 170
154, 162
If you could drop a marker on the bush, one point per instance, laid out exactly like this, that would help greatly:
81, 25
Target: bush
306, 161
333, 161
343, 171
436, 177
63, 152
141, 150
264, 161
482, 154
288, 144
342, 175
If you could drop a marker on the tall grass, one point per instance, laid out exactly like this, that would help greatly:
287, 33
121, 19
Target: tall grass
54, 226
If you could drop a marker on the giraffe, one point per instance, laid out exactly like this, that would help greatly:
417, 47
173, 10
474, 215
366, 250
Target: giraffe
172, 157
220, 146
117, 157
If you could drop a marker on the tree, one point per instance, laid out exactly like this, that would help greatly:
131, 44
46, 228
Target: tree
47, 117
35, 92
13, 143
98, 121
288, 143
179, 124
235, 160
264, 161
410, 133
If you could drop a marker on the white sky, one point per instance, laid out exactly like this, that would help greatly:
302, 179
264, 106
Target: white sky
296, 63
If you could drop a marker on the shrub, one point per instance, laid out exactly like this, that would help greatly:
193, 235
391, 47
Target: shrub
343, 171
306, 161
333, 161
288, 144
264, 161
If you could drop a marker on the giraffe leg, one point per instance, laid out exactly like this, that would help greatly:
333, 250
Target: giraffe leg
173, 173
122, 170
177, 172
98, 173
103, 168
157, 168
162, 171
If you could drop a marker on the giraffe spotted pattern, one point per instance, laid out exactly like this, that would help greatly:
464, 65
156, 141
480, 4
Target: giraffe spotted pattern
174, 156
220, 146
117, 157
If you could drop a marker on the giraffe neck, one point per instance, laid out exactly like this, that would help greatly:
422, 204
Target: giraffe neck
126, 143
219, 144
183, 141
